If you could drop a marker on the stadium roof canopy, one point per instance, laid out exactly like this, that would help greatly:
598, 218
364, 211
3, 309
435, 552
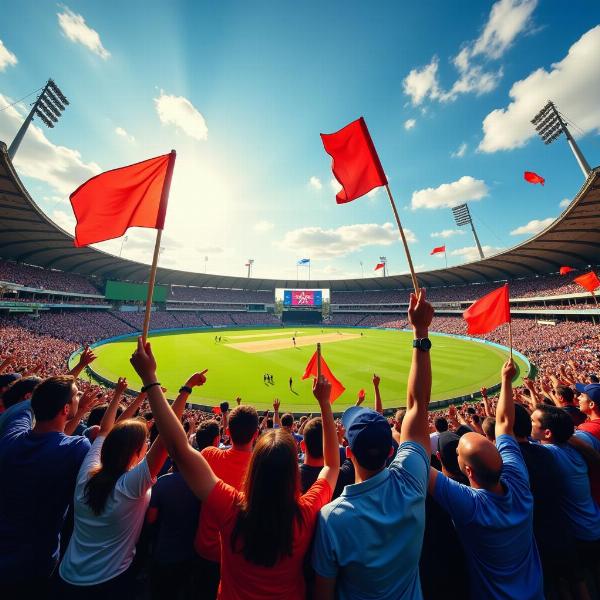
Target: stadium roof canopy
29, 236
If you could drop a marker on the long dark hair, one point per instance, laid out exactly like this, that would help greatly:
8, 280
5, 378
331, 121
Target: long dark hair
264, 528
123, 442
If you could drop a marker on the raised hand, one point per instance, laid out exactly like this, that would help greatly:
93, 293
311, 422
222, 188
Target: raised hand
321, 389
197, 379
87, 357
376, 380
143, 362
509, 370
238, 400
420, 312
483, 391
276, 404
121, 386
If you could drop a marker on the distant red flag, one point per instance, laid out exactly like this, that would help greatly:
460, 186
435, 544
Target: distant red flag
355, 162
216, 410
379, 266
589, 281
533, 177
438, 250
311, 371
565, 270
108, 204
488, 312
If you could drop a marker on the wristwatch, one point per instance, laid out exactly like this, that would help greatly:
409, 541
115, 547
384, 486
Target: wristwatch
185, 388
422, 344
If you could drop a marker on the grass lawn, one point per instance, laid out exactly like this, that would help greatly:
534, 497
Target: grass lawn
236, 364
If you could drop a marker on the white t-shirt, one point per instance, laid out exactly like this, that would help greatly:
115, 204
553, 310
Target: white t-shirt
433, 437
102, 547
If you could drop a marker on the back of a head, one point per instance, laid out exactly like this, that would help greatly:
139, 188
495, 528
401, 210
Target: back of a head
440, 424
522, 426
206, 433
313, 438
489, 428
558, 421
566, 393
287, 420
399, 419
369, 437
19, 389
243, 424
447, 443
51, 396
97, 413
482, 457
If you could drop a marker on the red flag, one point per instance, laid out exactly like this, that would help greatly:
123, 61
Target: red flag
355, 162
379, 266
488, 312
589, 281
438, 250
216, 410
108, 204
533, 177
311, 371
565, 270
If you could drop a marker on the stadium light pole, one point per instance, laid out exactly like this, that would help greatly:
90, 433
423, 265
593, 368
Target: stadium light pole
48, 108
462, 216
249, 265
549, 125
383, 259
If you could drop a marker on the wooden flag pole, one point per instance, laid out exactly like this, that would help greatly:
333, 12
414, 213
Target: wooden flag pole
406, 250
318, 361
510, 341
594, 297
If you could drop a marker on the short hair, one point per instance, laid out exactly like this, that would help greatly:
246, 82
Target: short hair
243, 424
97, 413
566, 393
148, 416
19, 389
51, 396
440, 424
489, 427
558, 421
594, 378
287, 420
522, 426
206, 433
313, 438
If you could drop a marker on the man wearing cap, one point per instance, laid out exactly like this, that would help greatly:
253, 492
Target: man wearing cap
368, 541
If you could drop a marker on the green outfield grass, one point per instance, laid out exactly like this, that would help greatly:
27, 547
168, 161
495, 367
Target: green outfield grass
459, 366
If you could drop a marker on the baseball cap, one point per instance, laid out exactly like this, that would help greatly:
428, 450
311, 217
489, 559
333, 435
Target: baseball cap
369, 436
447, 444
591, 389
8, 378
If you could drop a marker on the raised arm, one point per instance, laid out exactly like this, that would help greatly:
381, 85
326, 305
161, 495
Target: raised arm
331, 453
86, 403
276, 417
415, 425
505, 411
86, 358
378, 403
486, 403
108, 419
131, 410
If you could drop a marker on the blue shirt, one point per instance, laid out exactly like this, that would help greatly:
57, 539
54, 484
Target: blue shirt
37, 480
497, 530
582, 512
370, 537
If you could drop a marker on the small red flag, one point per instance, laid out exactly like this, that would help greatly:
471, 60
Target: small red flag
532, 177
379, 266
216, 410
438, 250
337, 389
565, 270
488, 312
108, 204
589, 281
355, 162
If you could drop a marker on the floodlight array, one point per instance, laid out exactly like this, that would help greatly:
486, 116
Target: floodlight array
462, 216
548, 123
50, 104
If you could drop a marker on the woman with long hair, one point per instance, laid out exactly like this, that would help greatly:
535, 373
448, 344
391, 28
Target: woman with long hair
266, 529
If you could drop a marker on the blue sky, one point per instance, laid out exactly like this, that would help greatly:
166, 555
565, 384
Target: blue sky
242, 91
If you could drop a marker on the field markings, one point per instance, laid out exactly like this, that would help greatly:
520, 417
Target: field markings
308, 340
257, 335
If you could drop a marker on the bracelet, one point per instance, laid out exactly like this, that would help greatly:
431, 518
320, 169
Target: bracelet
185, 388
147, 387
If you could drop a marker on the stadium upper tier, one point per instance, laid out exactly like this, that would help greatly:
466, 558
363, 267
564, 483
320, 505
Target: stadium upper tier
29, 236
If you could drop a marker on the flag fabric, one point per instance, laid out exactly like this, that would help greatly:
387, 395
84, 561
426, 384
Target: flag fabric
355, 162
438, 250
533, 177
487, 313
379, 266
311, 371
304, 261
589, 281
565, 270
108, 204
216, 410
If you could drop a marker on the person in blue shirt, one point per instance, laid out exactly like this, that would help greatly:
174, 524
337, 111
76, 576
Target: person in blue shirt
494, 514
368, 541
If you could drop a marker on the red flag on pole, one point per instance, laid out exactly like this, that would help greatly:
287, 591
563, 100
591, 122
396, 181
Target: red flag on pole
438, 250
565, 270
533, 177
108, 204
488, 312
379, 266
589, 281
216, 410
311, 371
355, 162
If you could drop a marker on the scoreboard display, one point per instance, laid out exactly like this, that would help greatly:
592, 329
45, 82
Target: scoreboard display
303, 298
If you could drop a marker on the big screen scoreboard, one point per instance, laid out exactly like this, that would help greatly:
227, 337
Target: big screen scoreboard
302, 298
132, 292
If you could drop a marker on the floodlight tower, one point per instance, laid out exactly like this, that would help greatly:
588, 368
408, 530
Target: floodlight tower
48, 107
249, 265
549, 125
462, 216
383, 259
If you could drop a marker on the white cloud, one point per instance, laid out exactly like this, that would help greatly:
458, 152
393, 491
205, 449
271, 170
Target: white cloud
534, 226
475, 79
7, 58
335, 185
315, 183
422, 83
574, 85
330, 243
263, 226
409, 124
179, 111
446, 233
65, 220
470, 253
451, 194
75, 28
373, 192
124, 134
59, 166
460, 151
564, 203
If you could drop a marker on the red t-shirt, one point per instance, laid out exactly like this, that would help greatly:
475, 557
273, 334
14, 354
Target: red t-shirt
242, 580
592, 427
230, 466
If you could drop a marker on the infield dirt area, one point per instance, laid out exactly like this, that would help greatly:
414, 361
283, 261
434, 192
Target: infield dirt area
282, 344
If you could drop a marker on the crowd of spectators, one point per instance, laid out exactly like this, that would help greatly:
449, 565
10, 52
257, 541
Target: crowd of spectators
198, 294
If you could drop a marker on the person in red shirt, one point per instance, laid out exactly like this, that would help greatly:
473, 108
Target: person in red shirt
266, 528
589, 404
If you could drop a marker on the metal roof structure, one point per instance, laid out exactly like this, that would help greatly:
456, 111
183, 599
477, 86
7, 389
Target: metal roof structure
27, 235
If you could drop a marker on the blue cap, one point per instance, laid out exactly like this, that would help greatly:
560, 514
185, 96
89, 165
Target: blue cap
592, 390
369, 436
